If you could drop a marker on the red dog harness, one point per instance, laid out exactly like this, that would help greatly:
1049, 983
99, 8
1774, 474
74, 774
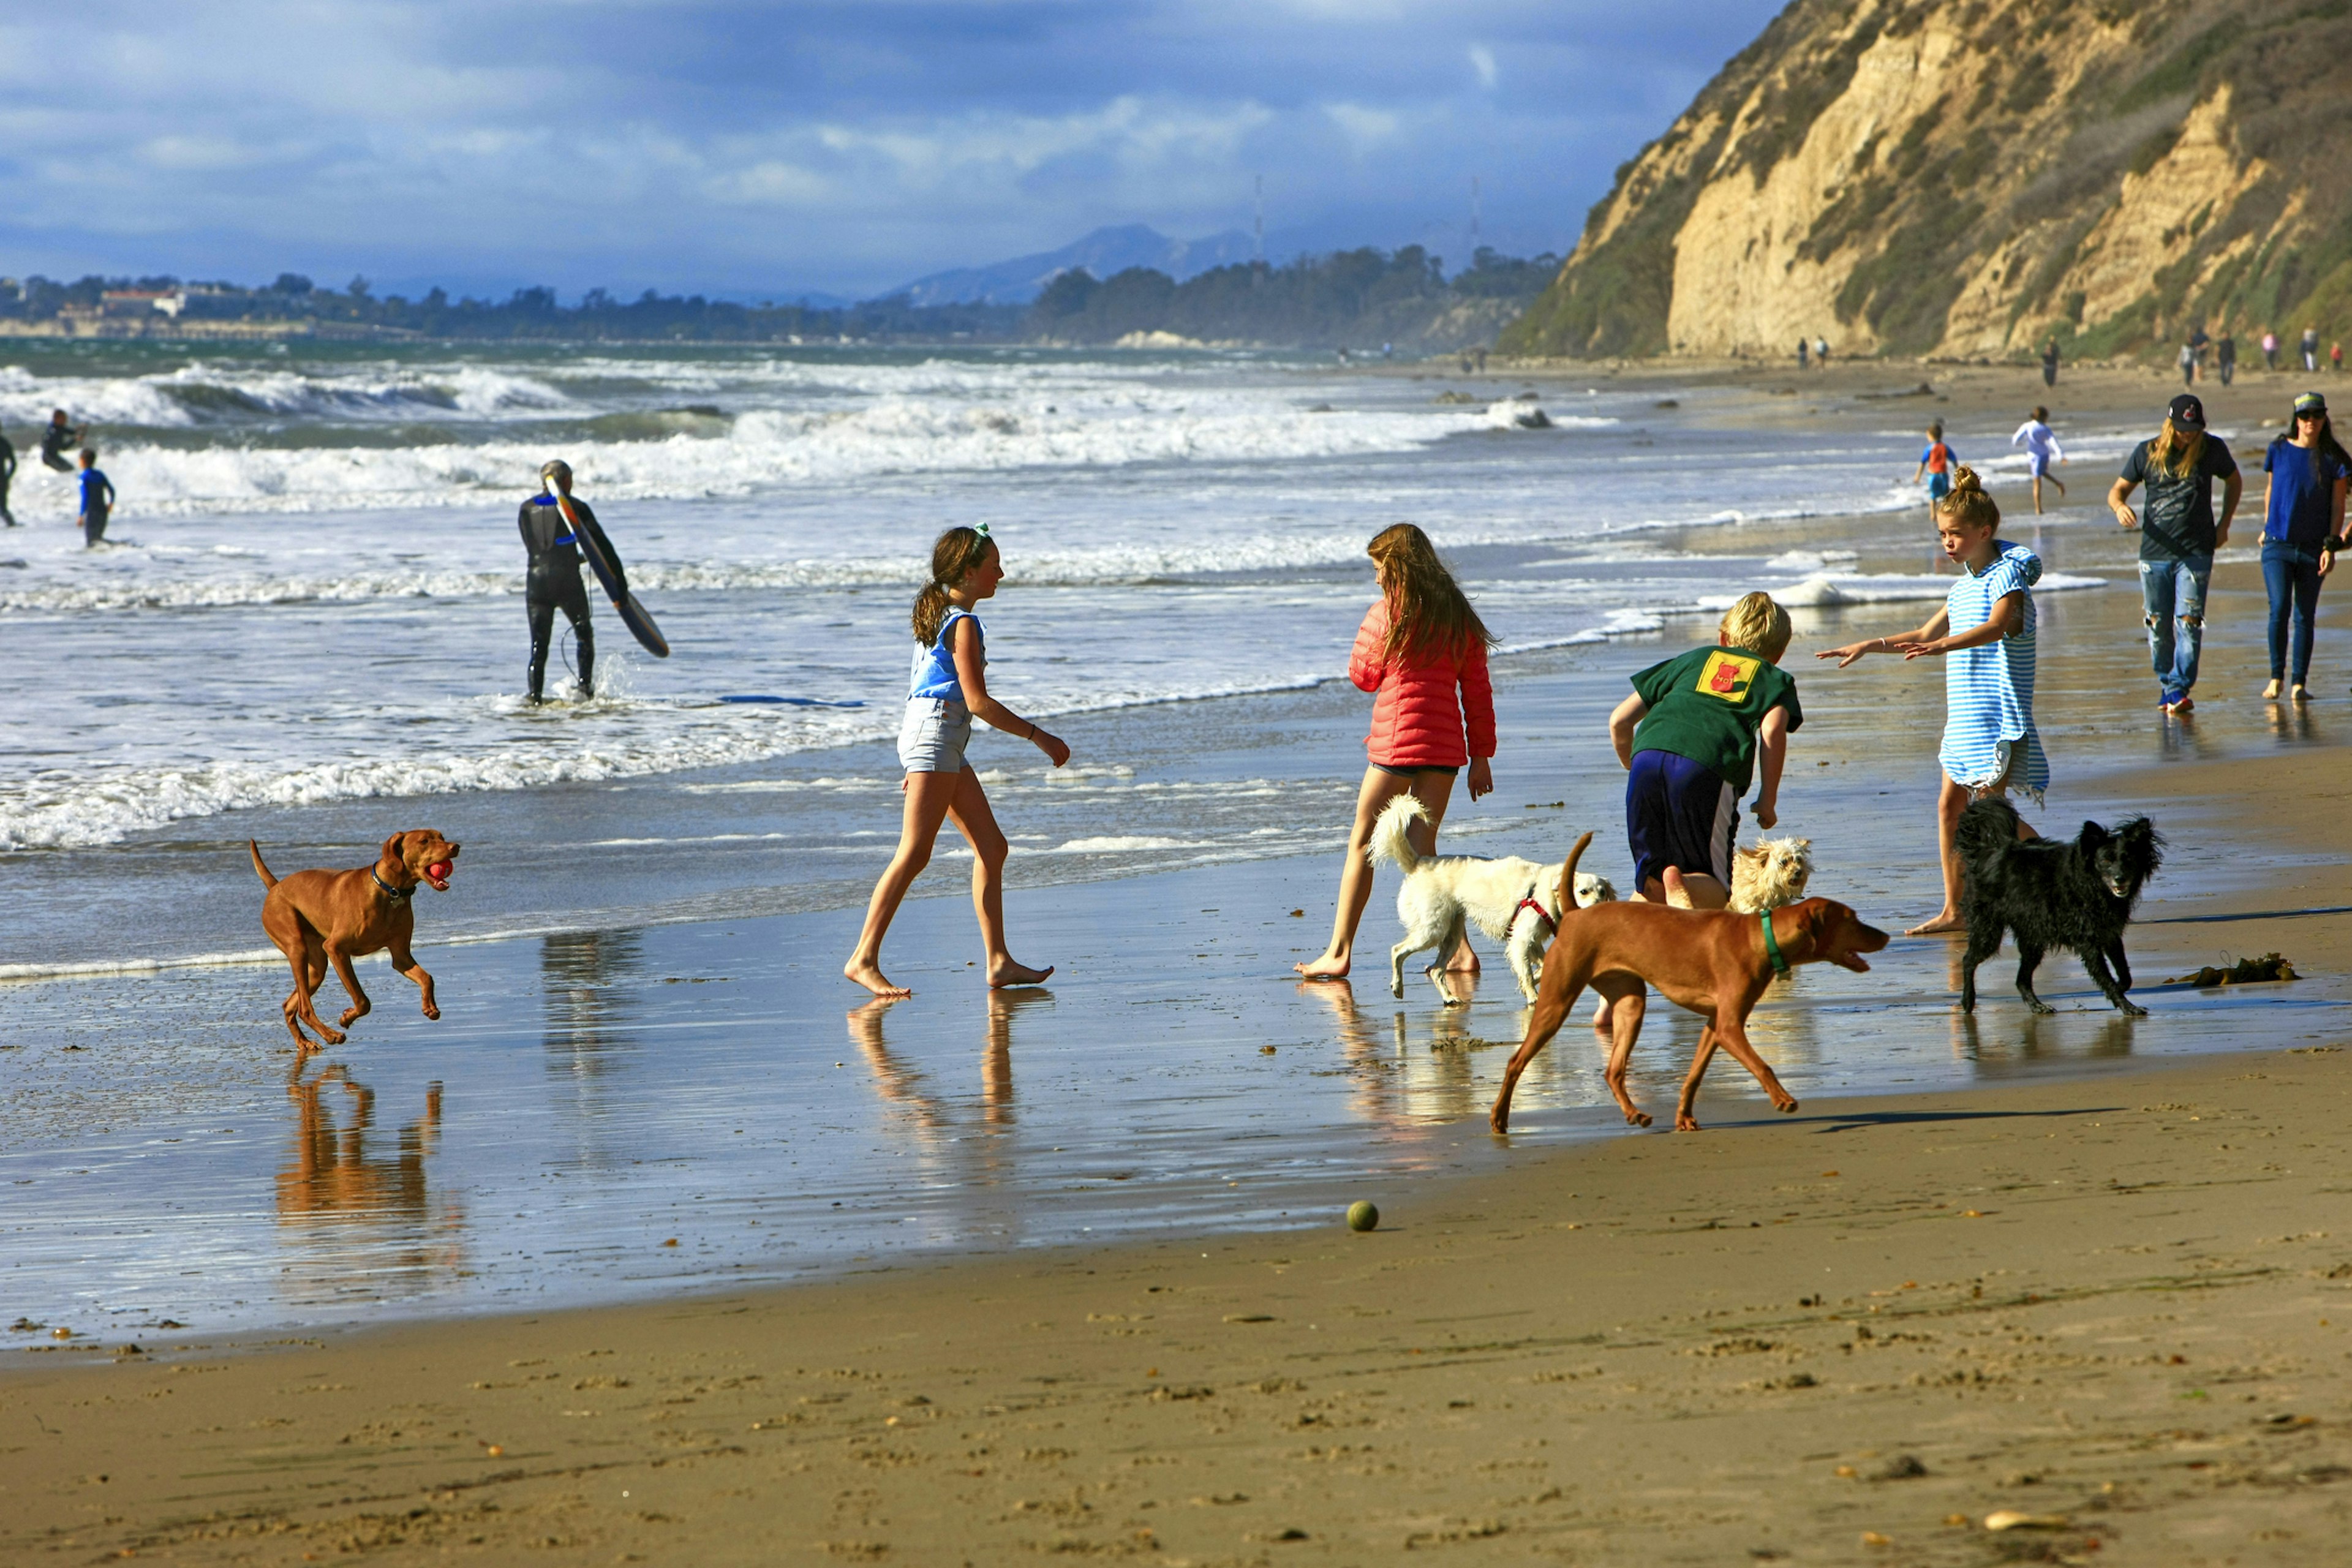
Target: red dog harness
1542, 913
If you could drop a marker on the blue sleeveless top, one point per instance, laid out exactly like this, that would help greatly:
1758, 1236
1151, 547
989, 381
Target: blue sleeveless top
934, 673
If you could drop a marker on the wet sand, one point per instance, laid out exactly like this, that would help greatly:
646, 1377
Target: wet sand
2117, 1299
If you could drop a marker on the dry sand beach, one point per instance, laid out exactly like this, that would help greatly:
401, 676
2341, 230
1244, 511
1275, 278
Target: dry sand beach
2095, 1275
2115, 1302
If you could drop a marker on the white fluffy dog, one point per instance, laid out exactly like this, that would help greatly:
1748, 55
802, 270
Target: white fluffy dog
1766, 875
1515, 901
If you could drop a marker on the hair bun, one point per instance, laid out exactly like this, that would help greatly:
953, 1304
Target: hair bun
1965, 478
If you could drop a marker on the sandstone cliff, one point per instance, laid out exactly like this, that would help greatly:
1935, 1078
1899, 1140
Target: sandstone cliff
1969, 178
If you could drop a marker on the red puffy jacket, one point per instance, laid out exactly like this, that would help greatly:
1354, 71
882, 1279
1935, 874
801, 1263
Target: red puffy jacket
1417, 720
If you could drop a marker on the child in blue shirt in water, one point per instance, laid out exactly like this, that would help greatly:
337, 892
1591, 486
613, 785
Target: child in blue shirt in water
96, 498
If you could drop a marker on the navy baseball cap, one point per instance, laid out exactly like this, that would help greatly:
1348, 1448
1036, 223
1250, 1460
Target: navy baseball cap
2189, 411
2311, 403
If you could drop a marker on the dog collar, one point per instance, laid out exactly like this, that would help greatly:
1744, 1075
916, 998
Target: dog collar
1542, 913
397, 895
1772, 945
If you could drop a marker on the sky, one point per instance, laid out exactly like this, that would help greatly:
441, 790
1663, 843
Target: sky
768, 150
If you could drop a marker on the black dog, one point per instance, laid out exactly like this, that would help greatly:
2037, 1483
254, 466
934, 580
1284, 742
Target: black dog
2075, 896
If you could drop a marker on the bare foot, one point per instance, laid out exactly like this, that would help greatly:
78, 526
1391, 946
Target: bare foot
2271, 692
1946, 922
1324, 968
2298, 694
869, 975
1011, 973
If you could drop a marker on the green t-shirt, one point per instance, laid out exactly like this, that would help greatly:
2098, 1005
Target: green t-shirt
1705, 705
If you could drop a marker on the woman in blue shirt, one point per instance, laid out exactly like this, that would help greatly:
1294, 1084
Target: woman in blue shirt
2302, 523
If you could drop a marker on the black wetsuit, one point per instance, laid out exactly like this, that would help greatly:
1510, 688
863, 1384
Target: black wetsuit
7, 472
553, 582
55, 439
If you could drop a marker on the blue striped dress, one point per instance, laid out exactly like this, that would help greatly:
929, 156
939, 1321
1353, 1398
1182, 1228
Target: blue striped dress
1988, 733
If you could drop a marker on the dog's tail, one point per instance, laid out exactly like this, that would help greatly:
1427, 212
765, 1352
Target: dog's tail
1390, 839
267, 881
1987, 831
1568, 875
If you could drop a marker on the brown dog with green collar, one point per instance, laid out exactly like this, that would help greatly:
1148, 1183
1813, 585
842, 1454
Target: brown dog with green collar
318, 918
1713, 962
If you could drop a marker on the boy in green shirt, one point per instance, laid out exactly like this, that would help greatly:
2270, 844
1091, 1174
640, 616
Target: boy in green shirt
1689, 737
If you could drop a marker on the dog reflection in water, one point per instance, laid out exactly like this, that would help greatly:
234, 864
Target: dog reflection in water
334, 1174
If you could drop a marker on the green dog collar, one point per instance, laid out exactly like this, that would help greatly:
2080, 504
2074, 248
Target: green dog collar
1772, 945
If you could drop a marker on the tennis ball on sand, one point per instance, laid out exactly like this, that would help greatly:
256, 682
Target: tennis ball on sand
1363, 1216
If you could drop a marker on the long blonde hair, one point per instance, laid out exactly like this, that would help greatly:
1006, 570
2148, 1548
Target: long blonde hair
954, 554
1427, 609
2174, 452
1967, 502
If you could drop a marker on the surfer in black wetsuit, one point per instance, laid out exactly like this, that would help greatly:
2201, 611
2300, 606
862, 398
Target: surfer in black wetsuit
7, 472
57, 440
553, 582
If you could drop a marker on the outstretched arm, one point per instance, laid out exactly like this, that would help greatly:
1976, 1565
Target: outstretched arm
1896, 644
2008, 616
971, 674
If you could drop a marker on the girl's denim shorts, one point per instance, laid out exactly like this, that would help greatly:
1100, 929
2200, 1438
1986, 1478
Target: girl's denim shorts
932, 737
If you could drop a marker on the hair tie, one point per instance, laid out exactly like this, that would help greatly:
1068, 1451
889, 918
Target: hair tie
981, 529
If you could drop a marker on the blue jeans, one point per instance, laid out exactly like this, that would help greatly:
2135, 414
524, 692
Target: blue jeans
2174, 594
2293, 577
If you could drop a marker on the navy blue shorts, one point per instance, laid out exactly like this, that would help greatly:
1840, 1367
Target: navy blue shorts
1679, 813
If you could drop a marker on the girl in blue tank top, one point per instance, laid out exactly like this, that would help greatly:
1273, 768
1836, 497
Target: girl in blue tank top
947, 689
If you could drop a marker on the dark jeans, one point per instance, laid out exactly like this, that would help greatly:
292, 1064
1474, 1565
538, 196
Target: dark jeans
2292, 577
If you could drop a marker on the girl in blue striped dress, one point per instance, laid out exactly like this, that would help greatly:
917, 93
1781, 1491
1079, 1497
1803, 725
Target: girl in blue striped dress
1986, 631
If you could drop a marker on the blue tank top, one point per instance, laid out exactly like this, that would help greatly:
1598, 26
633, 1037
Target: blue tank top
935, 668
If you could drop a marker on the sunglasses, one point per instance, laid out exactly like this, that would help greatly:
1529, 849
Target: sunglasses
2311, 413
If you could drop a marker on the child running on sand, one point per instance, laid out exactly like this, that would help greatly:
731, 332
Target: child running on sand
948, 688
1937, 464
1424, 650
1689, 739
1987, 629
2041, 446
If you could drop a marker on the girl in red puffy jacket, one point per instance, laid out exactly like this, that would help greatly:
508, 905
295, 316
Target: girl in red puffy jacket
1424, 650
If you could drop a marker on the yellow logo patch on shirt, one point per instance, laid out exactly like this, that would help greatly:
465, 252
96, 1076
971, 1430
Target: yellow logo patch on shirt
1728, 675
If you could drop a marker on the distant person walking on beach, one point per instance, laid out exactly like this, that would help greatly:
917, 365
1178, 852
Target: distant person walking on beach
96, 498
2335, 357
7, 473
2225, 355
2303, 524
1986, 628
2188, 366
2050, 363
2177, 537
2040, 447
1690, 738
2311, 347
1803, 351
1423, 650
1822, 352
1936, 463
949, 688
2269, 349
57, 440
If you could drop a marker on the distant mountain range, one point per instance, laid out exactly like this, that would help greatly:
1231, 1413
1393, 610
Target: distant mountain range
1103, 253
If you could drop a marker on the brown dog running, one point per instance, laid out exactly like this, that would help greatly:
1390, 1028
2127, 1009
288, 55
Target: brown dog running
1711, 962
318, 917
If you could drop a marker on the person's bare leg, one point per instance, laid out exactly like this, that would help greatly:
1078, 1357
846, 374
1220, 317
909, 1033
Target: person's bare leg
977, 823
2061, 487
928, 797
2037, 495
1699, 890
1356, 876
1950, 801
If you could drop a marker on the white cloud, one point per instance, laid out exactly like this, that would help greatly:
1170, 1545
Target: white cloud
1482, 60
1366, 129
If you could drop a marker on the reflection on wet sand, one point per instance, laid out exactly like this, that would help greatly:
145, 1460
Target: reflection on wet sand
2001, 1045
1397, 1085
365, 1223
587, 994
902, 1086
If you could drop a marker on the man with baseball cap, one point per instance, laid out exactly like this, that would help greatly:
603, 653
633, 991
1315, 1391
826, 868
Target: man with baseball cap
2177, 538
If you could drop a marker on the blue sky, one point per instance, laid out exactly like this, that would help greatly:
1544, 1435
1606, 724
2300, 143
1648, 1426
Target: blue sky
763, 149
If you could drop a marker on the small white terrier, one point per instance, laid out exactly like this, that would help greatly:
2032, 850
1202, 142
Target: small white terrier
1766, 875
1515, 901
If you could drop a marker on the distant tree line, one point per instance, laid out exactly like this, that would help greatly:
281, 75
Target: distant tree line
1360, 297
1357, 297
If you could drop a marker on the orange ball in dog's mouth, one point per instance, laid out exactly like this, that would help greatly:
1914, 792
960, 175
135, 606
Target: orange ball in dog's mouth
438, 873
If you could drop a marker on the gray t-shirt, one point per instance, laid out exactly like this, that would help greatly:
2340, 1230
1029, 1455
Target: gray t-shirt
2176, 516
